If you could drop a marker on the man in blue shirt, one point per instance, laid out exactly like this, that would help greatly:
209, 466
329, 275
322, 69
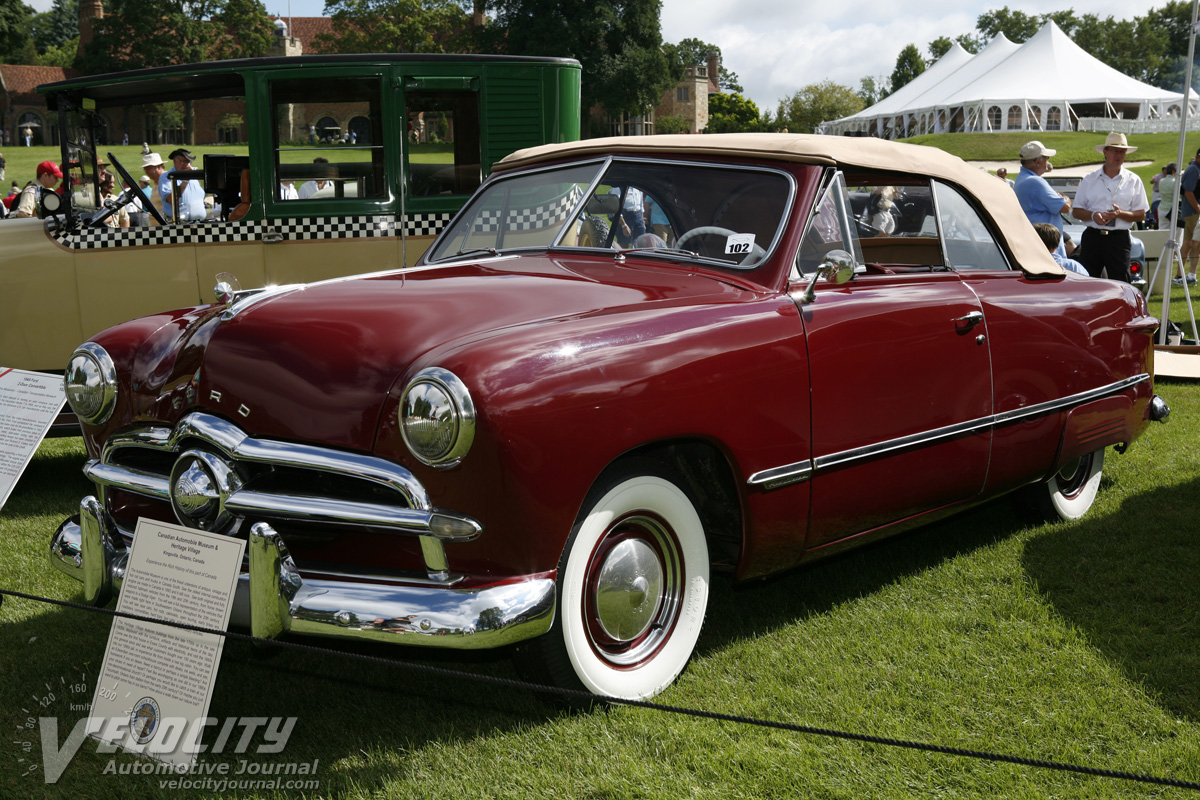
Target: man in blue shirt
1189, 213
1038, 200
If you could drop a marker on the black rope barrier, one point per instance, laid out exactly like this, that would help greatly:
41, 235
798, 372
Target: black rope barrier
652, 706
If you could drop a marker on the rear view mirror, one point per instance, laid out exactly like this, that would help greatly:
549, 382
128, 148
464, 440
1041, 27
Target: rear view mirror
603, 204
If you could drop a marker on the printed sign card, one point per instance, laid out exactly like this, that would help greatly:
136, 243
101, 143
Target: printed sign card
29, 402
155, 686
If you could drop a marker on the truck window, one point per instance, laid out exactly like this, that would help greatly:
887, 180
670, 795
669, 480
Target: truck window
340, 155
443, 143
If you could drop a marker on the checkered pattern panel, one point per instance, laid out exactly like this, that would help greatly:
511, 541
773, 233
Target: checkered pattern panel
293, 229
530, 219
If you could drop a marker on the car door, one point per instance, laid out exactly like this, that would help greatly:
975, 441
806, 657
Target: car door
901, 380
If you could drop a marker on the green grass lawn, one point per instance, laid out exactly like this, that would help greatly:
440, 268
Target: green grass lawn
1075, 642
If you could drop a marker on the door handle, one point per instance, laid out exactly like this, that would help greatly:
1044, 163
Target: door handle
971, 319
272, 235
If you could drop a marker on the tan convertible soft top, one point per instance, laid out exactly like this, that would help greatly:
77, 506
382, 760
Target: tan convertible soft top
994, 194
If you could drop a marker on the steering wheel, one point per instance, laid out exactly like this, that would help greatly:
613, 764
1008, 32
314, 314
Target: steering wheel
138, 194
756, 253
102, 216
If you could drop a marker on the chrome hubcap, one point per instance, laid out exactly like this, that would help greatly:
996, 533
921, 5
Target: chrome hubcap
634, 589
628, 590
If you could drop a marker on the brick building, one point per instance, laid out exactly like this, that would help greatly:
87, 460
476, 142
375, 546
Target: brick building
213, 121
687, 99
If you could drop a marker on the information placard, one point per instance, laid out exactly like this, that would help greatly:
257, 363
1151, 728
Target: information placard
29, 402
156, 683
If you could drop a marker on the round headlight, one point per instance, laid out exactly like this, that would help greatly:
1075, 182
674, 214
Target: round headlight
437, 418
91, 383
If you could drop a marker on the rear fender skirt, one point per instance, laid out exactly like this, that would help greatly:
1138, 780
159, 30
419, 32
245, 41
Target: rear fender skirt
1100, 423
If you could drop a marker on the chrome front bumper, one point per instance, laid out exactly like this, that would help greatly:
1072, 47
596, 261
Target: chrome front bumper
273, 598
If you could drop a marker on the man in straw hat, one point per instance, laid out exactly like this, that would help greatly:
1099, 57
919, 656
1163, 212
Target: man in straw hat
1110, 201
152, 166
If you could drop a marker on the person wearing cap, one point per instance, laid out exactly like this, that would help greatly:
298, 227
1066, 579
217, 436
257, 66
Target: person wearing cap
48, 176
191, 193
152, 166
1110, 201
1038, 199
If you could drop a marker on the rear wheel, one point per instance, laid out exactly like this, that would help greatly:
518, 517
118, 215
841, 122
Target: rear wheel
633, 589
1070, 492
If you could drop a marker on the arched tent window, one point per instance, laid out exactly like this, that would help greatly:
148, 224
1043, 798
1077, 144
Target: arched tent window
940, 125
1014, 118
1035, 117
1054, 118
995, 118
1174, 111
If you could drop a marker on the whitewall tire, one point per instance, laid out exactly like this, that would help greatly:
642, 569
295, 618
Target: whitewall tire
633, 590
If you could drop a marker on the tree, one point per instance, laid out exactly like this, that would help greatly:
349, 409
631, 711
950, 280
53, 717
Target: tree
1166, 68
393, 26
15, 17
871, 90
618, 43
941, 45
151, 33
731, 113
814, 104
909, 65
57, 26
670, 124
1016, 25
244, 30
694, 53
61, 56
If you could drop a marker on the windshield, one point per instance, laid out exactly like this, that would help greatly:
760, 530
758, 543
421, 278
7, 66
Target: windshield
730, 216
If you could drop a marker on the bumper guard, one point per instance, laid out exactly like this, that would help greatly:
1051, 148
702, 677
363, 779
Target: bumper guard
273, 598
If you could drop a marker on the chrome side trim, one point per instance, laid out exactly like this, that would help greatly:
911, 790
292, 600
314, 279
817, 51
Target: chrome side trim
778, 477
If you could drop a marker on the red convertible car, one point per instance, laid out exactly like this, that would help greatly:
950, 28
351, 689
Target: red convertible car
624, 364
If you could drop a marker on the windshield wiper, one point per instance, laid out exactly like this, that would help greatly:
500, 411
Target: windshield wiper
472, 252
666, 251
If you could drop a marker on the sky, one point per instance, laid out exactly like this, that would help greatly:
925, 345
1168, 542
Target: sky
777, 47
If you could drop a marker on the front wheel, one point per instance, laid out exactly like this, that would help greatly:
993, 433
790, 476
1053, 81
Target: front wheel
633, 589
1070, 492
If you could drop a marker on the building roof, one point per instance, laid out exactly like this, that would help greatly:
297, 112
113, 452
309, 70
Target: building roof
21, 82
306, 29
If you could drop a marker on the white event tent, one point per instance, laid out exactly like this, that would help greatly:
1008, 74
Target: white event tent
1046, 84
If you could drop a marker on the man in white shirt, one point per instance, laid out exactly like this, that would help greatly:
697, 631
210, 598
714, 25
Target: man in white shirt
1110, 200
310, 188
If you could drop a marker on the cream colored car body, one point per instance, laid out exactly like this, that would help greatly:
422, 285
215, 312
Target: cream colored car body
56, 296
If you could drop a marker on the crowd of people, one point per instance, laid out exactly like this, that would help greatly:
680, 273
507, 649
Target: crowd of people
1109, 202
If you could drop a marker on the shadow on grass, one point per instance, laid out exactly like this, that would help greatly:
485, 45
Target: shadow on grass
371, 714
748, 610
1128, 582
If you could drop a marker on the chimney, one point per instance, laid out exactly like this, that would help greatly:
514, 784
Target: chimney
89, 11
714, 69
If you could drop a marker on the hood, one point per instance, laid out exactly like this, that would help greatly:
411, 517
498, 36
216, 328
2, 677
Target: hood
316, 364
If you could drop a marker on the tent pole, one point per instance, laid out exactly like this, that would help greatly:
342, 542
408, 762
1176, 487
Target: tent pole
1173, 243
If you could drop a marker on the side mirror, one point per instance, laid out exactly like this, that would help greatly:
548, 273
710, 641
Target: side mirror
838, 268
